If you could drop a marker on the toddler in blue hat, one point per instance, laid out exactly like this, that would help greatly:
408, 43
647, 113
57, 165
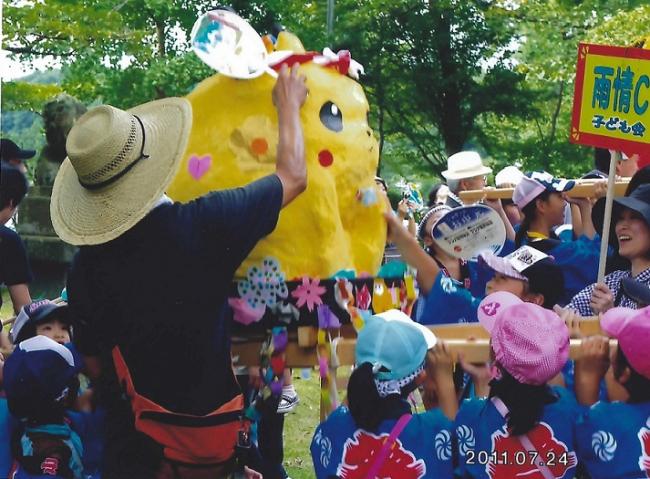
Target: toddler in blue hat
377, 435
38, 378
39, 317
49, 319
42, 317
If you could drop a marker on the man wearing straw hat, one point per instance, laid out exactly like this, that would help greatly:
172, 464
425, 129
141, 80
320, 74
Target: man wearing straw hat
147, 290
465, 171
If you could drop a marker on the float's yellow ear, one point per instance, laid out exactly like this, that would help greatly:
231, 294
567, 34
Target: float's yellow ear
288, 41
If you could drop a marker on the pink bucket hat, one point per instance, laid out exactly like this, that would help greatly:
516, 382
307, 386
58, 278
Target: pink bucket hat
632, 329
492, 306
530, 342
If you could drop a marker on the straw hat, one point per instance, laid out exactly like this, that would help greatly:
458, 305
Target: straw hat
119, 165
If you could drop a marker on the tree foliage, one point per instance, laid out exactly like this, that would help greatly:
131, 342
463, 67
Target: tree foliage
443, 75
26, 96
549, 34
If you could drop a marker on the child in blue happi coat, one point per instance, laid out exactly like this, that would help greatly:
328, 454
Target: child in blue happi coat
38, 317
614, 438
450, 288
530, 274
377, 434
449, 272
542, 200
525, 428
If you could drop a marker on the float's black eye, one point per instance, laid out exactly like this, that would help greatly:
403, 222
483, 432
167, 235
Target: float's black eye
331, 116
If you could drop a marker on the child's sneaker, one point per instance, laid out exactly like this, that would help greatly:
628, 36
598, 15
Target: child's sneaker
289, 400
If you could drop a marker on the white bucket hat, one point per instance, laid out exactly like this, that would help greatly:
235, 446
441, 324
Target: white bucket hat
119, 165
465, 164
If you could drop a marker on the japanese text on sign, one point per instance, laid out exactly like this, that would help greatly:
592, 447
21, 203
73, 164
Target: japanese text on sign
620, 93
612, 98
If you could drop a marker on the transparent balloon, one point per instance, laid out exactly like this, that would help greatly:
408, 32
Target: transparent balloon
228, 44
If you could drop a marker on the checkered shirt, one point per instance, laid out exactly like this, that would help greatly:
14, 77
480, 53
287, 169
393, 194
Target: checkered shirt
581, 301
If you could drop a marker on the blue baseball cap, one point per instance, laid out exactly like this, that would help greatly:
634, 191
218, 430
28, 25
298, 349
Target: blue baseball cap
396, 349
33, 314
38, 374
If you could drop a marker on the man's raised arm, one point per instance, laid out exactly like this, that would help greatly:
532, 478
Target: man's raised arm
289, 94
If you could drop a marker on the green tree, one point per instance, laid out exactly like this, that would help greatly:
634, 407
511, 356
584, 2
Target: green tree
549, 34
434, 67
440, 76
123, 53
26, 96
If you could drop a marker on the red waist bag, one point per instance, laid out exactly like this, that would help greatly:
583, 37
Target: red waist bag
209, 439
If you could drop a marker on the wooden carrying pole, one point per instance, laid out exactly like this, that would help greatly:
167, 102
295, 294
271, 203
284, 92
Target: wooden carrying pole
470, 339
474, 351
583, 189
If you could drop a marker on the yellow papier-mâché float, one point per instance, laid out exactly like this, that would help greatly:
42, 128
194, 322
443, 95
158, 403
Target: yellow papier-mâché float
329, 227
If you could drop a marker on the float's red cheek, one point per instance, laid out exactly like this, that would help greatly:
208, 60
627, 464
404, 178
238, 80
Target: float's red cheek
259, 146
325, 158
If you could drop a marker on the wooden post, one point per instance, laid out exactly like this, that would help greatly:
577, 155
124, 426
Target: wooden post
604, 237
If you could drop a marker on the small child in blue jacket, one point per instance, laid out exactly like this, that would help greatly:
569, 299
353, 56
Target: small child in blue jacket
38, 377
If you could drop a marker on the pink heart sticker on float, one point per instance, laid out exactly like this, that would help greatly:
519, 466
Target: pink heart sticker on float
198, 166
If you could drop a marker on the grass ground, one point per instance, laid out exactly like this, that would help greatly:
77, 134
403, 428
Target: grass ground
299, 427
6, 311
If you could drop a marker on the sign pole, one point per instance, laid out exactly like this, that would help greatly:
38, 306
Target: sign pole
604, 238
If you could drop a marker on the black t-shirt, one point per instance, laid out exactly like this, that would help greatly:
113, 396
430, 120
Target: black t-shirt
14, 265
159, 292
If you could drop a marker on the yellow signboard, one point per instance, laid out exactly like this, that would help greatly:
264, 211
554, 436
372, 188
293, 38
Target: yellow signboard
611, 105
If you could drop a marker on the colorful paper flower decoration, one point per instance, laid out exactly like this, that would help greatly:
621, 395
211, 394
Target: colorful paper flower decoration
309, 293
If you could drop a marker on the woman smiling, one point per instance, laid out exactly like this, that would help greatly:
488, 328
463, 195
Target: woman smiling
631, 219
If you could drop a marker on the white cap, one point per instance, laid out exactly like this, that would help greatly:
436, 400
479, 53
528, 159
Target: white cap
465, 164
510, 175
